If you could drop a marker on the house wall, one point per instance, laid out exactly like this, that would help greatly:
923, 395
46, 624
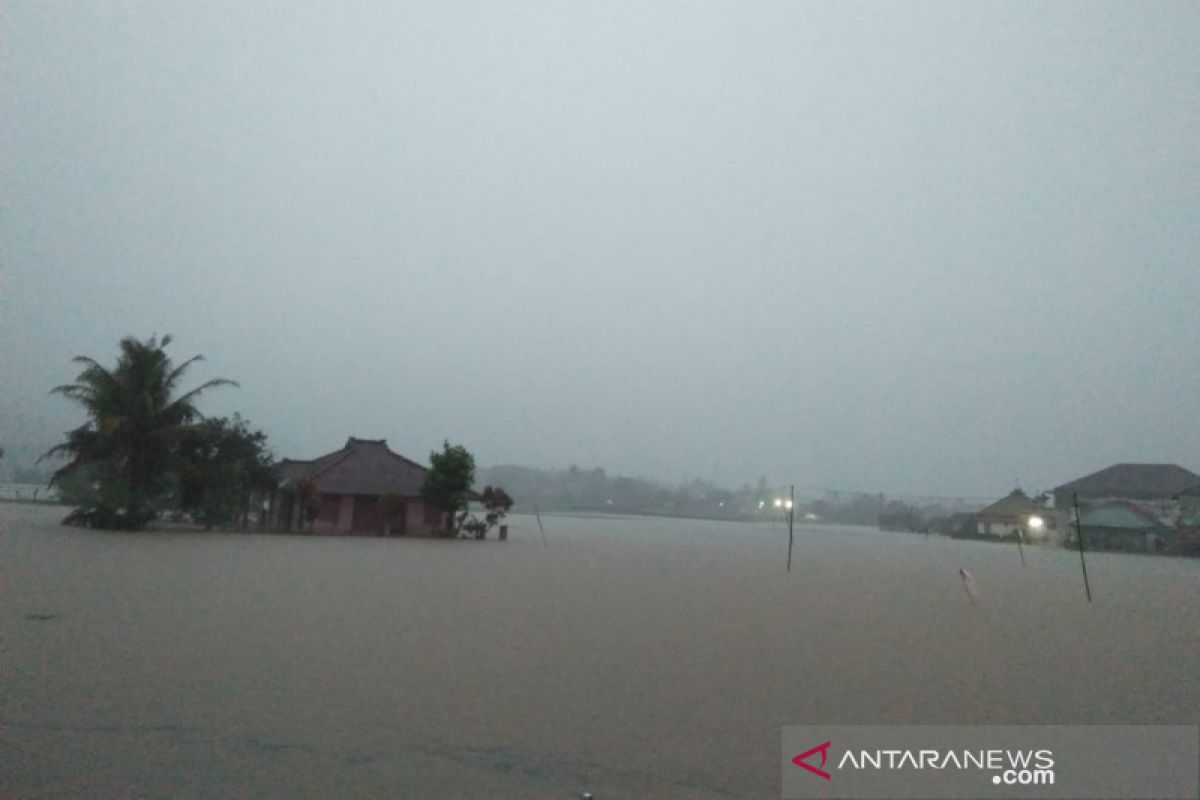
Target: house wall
1008, 528
366, 518
328, 520
1166, 509
1133, 540
1189, 508
346, 514
1061, 528
421, 519
991, 527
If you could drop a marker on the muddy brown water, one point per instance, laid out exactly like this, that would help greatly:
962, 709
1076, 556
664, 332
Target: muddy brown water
629, 658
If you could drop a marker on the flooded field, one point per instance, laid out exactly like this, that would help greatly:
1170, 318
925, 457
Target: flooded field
629, 657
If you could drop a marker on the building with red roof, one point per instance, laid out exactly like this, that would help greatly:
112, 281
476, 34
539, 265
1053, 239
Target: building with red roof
350, 482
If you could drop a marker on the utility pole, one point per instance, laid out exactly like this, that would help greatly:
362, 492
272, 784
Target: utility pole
791, 520
1079, 536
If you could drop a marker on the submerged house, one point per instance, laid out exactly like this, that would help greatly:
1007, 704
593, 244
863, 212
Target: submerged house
1005, 517
1189, 506
1189, 520
1133, 507
1123, 525
1155, 488
351, 482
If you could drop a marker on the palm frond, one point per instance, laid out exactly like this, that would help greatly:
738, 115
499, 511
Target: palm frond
58, 450
137, 429
74, 391
174, 375
186, 398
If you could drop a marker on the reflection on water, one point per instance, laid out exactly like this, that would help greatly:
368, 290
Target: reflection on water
629, 657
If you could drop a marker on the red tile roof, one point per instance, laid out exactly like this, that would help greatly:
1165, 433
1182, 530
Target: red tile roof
362, 467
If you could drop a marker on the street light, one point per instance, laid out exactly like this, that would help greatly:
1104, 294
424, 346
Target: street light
1034, 522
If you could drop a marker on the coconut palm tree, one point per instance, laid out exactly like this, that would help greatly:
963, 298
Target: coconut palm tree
135, 421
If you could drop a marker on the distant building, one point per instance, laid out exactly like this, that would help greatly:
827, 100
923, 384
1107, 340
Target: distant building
1137, 507
1154, 487
1123, 525
1189, 521
1189, 506
350, 482
1005, 517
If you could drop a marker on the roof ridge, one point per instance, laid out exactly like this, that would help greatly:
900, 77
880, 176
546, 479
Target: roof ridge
393, 453
408, 460
347, 452
1141, 465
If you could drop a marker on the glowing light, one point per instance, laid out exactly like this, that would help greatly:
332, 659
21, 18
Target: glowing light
778, 503
787, 504
1036, 522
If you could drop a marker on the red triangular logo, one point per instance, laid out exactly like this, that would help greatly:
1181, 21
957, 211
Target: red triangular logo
823, 750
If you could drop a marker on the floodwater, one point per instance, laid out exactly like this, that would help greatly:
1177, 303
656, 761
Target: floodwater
629, 657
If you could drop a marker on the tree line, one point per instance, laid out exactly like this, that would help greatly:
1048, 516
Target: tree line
145, 448
593, 489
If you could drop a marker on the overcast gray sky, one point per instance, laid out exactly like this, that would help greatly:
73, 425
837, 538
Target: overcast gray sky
910, 247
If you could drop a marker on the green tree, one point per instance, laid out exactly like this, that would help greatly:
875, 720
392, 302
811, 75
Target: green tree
222, 464
79, 488
496, 504
448, 482
135, 422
